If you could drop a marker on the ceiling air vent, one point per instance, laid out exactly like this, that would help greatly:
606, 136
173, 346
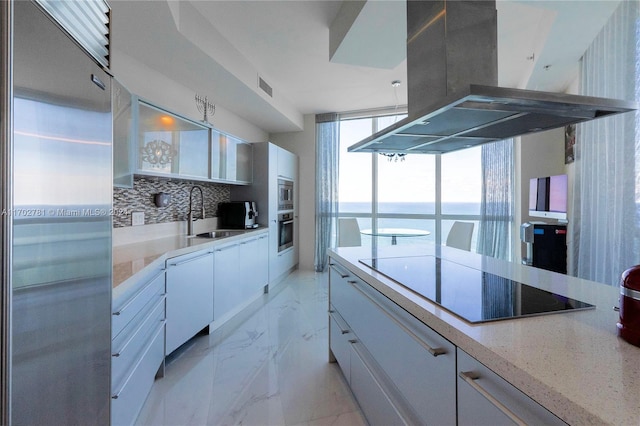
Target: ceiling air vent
265, 87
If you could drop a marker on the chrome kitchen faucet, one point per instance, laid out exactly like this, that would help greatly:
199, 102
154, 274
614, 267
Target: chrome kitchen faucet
190, 218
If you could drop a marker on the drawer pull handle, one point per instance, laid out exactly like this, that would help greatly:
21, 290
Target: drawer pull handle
116, 394
342, 325
341, 273
433, 351
353, 341
130, 301
402, 415
137, 330
470, 378
182, 262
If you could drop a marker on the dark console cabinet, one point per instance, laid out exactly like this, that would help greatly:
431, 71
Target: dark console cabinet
546, 246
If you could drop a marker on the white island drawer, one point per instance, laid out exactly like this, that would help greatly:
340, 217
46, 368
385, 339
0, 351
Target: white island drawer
377, 404
339, 336
484, 398
420, 362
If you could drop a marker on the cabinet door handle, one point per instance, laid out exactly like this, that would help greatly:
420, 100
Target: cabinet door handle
130, 301
432, 351
182, 262
470, 378
227, 247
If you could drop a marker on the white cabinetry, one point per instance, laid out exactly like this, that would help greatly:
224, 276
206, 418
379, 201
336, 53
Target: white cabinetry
270, 163
399, 369
189, 296
287, 164
227, 291
240, 273
254, 258
137, 348
484, 398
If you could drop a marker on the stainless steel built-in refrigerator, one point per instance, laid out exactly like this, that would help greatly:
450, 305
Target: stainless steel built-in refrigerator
59, 225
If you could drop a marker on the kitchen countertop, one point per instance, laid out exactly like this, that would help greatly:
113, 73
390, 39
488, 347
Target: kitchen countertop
572, 363
132, 259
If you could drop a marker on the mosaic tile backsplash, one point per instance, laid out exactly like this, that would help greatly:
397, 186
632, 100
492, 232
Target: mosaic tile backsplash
140, 198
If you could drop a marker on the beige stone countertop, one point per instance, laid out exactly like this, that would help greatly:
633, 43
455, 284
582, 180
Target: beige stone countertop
132, 260
572, 363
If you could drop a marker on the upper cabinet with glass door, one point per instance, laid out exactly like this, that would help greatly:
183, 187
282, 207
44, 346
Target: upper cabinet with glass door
124, 128
231, 159
171, 145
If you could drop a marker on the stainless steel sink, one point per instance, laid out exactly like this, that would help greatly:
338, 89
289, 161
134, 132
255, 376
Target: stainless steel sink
219, 234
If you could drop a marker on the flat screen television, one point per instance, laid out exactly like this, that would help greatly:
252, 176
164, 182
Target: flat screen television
548, 197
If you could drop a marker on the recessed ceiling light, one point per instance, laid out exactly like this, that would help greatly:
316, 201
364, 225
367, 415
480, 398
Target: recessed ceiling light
395, 83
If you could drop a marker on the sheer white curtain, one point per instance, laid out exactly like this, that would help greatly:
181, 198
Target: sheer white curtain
604, 214
496, 209
327, 161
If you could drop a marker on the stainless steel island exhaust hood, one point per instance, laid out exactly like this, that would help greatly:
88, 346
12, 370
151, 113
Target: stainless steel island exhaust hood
454, 101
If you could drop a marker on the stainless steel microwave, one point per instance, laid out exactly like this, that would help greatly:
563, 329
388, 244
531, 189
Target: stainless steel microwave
285, 194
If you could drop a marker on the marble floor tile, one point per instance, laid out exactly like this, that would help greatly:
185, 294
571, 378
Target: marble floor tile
269, 369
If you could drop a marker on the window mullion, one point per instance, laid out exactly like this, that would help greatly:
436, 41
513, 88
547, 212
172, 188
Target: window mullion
438, 220
374, 182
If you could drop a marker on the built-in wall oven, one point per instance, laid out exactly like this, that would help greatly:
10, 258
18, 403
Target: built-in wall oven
285, 231
285, 194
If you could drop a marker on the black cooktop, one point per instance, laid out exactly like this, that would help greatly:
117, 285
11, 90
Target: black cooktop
474, 295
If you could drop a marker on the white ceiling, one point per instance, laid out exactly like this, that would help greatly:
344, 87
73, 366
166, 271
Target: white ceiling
219, 48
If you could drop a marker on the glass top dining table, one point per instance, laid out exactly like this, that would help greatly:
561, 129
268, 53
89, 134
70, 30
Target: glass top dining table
394, 233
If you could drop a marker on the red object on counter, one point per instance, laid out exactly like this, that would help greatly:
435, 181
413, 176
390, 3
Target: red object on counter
629, 325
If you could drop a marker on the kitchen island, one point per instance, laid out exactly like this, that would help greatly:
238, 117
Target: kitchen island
571, 363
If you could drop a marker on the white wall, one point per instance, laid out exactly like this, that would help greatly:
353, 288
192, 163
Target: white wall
303, 144
537, 155
164, 92
540, 154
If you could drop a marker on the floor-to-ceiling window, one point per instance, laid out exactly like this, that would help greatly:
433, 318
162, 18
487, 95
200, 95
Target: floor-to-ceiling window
605, 214
419, 192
